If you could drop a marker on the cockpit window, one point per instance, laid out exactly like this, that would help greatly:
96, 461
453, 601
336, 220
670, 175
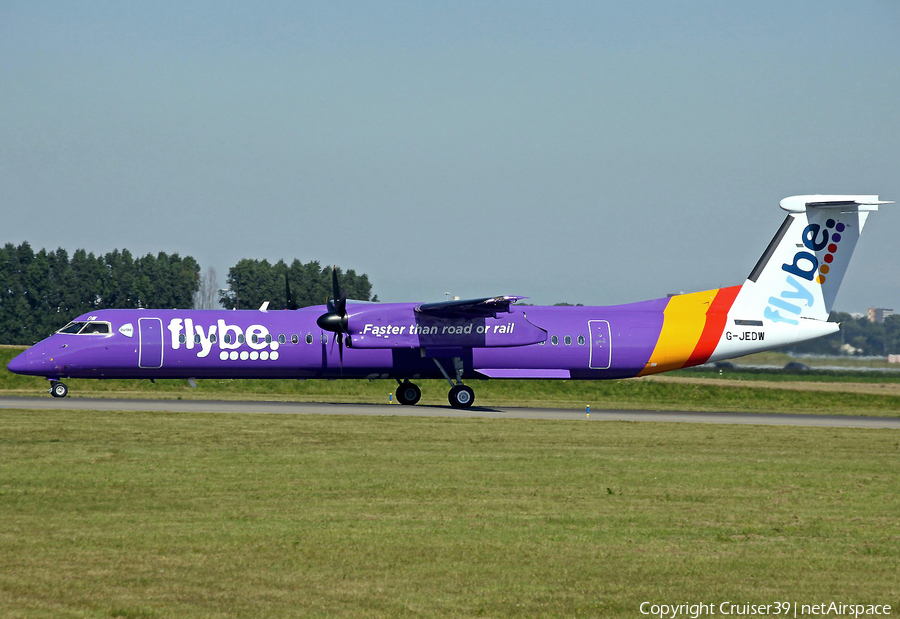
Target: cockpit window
101, 328
72, 327
86, 328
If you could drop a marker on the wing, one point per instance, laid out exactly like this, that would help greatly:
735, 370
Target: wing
469, 308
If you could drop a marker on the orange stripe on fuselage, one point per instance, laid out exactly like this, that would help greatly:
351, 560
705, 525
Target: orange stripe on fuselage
692, 326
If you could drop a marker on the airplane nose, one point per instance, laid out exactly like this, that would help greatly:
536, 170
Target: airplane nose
32, 361
21, 363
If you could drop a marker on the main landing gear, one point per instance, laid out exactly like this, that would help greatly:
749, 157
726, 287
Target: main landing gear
460, 395
58, 389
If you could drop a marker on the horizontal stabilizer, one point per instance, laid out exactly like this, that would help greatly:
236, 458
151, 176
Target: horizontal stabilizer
799, 204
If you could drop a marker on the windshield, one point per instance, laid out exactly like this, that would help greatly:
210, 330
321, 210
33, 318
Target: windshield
86, 328
72, 327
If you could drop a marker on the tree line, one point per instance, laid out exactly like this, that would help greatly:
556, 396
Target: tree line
253, 282
41, 291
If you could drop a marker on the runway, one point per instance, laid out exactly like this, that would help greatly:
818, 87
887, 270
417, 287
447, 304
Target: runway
482, 412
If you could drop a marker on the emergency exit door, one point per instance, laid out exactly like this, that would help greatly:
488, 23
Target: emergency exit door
601, 344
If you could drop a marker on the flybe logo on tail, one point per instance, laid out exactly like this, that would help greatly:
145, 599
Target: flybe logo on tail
804, 266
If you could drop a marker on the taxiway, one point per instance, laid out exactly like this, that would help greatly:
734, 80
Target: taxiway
485, 412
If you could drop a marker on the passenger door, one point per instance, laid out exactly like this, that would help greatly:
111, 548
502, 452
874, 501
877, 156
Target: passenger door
150, 342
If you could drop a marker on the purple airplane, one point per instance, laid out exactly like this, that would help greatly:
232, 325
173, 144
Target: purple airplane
786, 299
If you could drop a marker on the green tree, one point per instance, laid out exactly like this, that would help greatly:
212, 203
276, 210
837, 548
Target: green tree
253, 282
44, 290
892, 334
120, 274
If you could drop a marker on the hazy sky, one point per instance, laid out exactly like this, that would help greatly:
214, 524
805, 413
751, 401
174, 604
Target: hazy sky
592, 152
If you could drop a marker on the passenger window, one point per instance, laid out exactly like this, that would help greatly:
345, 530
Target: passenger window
294, 338
581, 340
241, 338
281, 339
182, 338
227, 338
254, 339
197, 338
554, 340
324, 338
212, 338
568, 340
268, 339
309, 338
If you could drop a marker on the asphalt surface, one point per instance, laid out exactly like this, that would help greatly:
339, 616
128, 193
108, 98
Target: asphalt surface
305, 408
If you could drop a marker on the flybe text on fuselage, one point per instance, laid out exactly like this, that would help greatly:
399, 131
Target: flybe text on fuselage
228, 338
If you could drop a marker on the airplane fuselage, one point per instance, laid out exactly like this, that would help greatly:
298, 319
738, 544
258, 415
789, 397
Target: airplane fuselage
568, 342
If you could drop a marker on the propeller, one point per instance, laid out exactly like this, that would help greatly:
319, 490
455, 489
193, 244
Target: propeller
290, 299
335, 319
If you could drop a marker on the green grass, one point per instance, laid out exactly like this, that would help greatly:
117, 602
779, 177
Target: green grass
813, 375
209, 515
777, 358
613, 394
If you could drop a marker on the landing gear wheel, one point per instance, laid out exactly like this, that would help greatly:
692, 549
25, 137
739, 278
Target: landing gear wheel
58, 390
461, 396
408, 393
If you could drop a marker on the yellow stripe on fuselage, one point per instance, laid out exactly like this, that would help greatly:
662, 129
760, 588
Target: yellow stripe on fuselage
683, 321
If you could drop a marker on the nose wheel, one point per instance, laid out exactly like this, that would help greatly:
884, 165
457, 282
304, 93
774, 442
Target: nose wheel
58, 389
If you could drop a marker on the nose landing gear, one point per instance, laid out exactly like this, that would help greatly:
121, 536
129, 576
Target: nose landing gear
408, 393
58, 389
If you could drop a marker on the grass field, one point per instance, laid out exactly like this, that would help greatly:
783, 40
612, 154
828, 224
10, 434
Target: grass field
208, 515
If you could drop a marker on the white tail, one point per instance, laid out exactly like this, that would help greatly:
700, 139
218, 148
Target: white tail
802, 269
791, 291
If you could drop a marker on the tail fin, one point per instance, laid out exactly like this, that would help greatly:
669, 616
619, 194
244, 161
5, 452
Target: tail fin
799, 274
787, 297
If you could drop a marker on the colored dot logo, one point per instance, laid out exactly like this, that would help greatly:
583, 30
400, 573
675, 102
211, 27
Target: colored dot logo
832, 249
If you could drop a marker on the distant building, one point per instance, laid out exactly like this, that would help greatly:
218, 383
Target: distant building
878, 314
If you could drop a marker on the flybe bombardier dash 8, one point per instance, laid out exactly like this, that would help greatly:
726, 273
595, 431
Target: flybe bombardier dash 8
786, 299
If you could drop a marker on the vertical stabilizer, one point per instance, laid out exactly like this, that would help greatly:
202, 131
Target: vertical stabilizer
799, 274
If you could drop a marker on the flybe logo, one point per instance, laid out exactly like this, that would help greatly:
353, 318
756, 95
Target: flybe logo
802, 269
228, 338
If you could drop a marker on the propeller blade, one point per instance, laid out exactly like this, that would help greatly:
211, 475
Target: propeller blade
335, 287
290, 301
340, 294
